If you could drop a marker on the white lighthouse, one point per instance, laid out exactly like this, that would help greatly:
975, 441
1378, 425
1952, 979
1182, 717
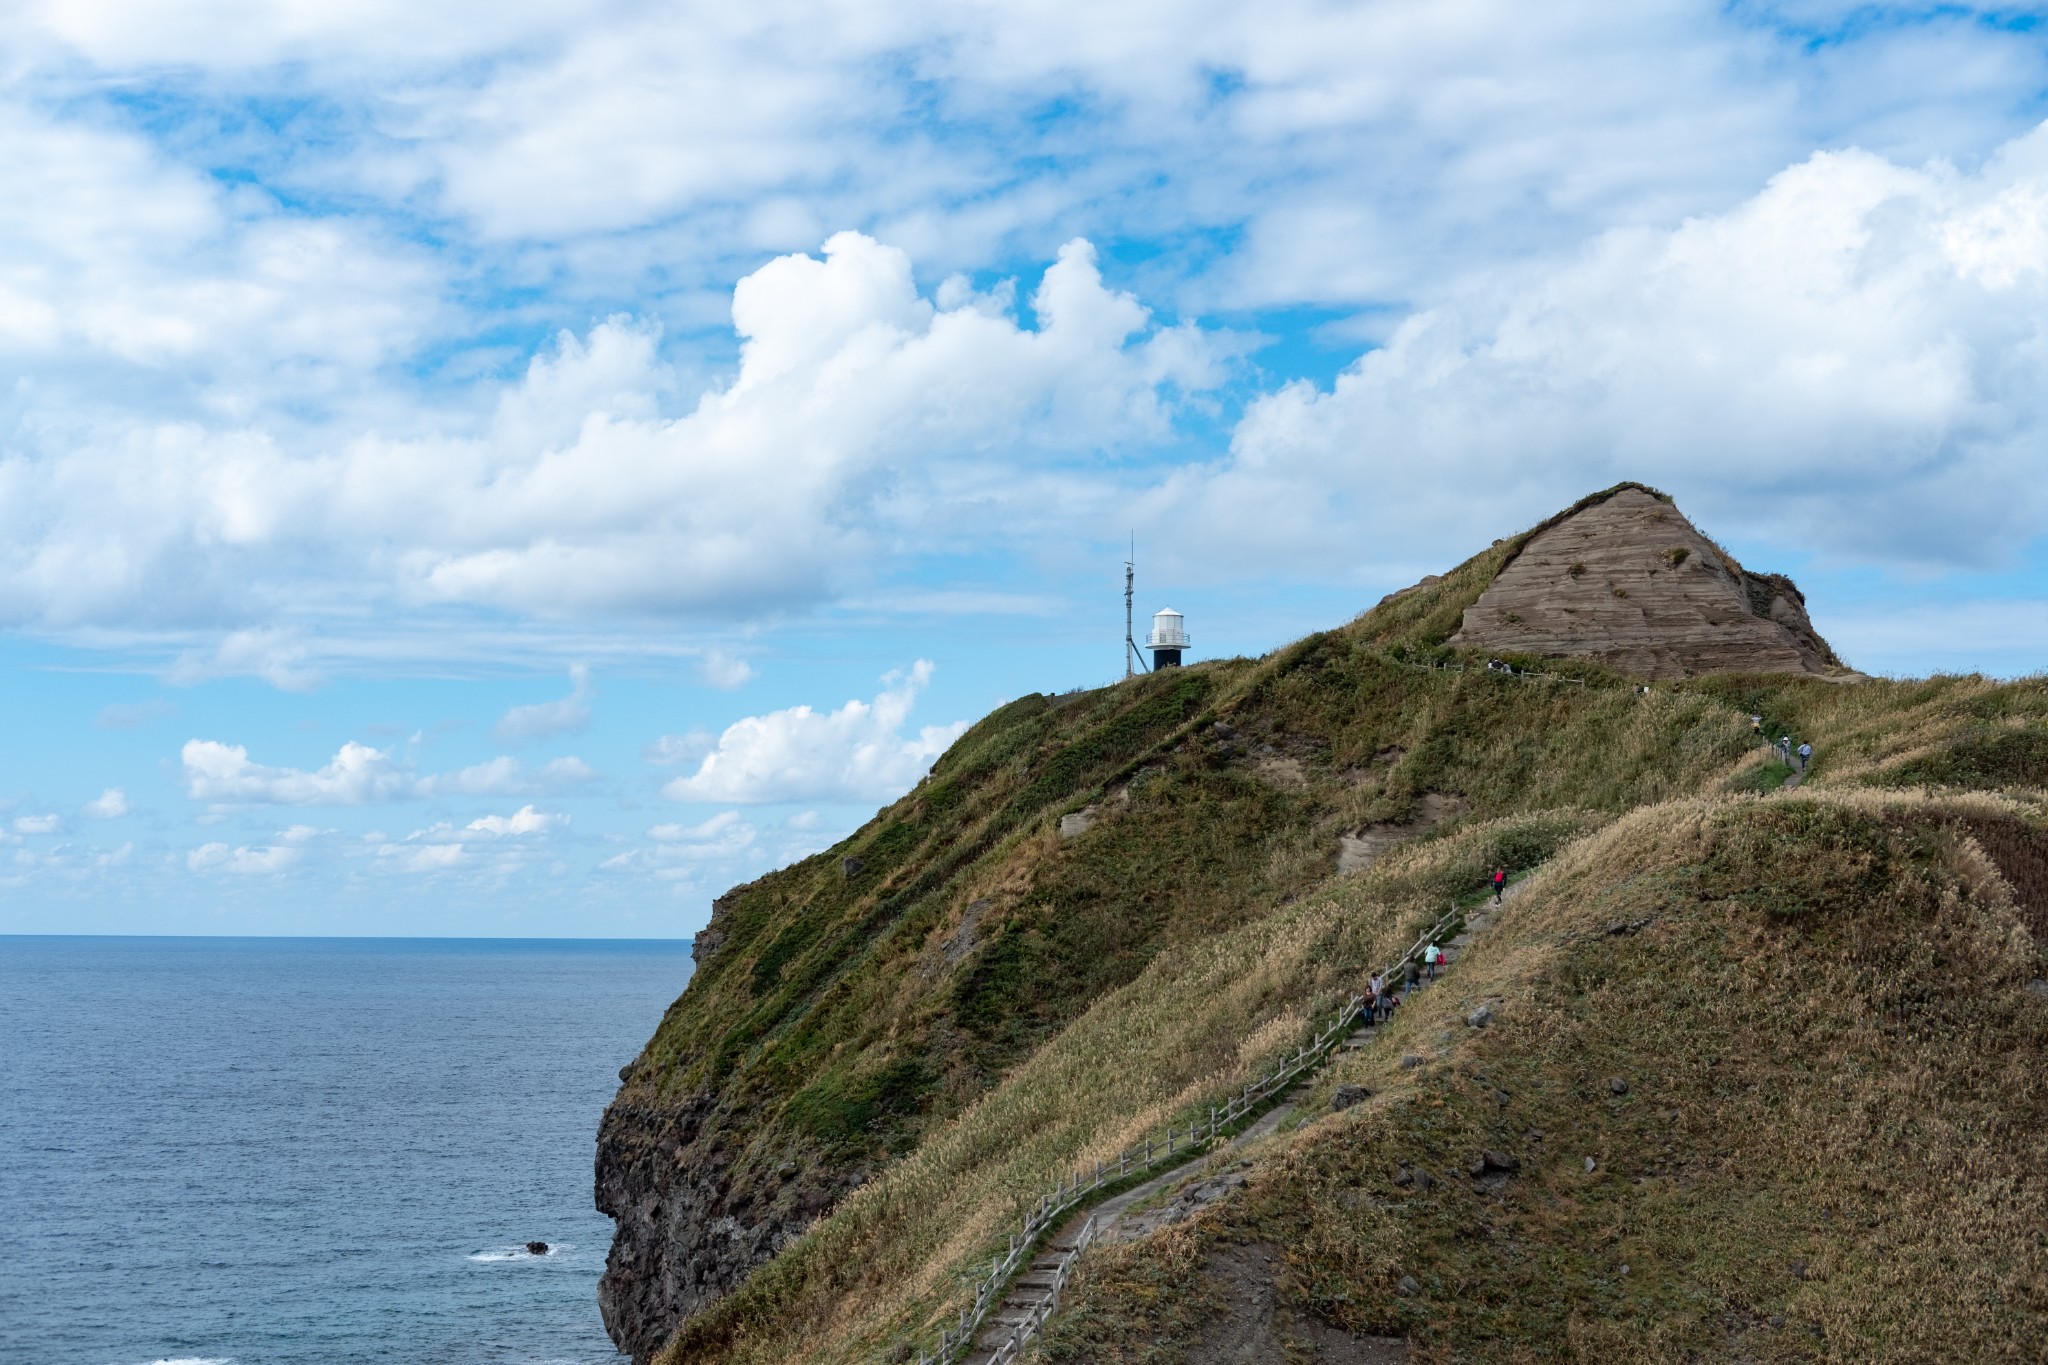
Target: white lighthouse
1168, 638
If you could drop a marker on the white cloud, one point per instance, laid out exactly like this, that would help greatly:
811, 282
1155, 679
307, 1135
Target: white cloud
725, 671
689, 852
857, 753
545, 720
37, 824
718, 827
674, 749
857, 406
300, 834
359, 775
243, 862
525, 820
422, 857
1855, 359
110, 804
277, 656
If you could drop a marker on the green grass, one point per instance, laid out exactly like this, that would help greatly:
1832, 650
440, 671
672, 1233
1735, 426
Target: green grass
1125, 979
1813, 1134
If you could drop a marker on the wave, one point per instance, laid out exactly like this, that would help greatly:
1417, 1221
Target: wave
519, 1253
195, 1360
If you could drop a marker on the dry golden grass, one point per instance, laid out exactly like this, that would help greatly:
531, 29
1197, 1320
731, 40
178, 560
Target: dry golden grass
1830, 1144
1121, 980
1197, 1024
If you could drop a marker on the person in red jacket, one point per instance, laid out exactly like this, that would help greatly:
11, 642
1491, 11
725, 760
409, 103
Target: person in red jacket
1500, 883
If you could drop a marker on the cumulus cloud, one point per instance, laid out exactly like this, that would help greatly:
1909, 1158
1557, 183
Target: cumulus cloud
110, 804
243, 861
858, 753
37, 824
545, 720
359, 775
525, 820
1855, 358
855, 402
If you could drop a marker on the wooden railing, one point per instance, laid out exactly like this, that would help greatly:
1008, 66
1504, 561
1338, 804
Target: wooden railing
1082, 1187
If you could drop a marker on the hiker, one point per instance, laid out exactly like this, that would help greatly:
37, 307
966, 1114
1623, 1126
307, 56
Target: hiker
1805, 756
1373, 988
1431, 957
1410, 974
1756, 727
1393, 1003
1785, 748
1500, 883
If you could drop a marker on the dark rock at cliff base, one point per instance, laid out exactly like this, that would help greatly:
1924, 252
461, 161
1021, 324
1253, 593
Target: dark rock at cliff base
692, 1222
537, 1248
1626, 580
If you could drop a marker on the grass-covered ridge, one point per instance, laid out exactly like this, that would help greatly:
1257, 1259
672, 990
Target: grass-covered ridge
1808, 1074
959, 1003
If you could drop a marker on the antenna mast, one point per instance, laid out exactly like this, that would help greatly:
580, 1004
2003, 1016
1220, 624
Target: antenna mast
1130, 642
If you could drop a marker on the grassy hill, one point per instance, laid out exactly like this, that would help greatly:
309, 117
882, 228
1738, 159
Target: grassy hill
913, 1032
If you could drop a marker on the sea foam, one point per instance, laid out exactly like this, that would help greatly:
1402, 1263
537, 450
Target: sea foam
519, 1253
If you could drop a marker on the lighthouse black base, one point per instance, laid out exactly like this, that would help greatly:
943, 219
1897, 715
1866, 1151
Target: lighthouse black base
1165, 658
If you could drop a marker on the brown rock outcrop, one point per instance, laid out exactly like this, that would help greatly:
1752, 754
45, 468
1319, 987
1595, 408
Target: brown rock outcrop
694, 1217
1627, 580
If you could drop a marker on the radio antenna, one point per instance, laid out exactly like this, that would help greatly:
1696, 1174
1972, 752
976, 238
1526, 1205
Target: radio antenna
1130, 641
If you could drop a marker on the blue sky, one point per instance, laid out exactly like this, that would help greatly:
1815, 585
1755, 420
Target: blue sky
520, 468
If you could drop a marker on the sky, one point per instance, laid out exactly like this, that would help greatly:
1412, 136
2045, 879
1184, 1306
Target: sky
525, 468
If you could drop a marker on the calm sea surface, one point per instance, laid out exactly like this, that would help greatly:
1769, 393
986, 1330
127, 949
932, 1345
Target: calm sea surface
298, 1150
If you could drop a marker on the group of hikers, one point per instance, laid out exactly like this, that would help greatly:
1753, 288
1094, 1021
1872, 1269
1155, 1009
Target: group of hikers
1381, 996
1798, 757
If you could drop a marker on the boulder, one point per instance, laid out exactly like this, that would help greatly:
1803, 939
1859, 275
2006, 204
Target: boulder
1347, 1095
1492, 1163
537, 1248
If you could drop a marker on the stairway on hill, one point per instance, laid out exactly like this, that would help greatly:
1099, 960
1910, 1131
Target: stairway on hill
1171, 1196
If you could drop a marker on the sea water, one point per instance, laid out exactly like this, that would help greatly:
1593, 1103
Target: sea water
271, 1151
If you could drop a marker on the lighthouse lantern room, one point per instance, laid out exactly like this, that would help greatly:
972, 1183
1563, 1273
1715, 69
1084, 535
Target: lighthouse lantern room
1168, 638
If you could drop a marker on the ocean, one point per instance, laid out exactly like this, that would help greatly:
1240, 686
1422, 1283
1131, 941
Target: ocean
271, 1151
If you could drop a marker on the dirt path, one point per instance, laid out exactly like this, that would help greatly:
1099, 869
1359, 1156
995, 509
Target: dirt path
1177, 1194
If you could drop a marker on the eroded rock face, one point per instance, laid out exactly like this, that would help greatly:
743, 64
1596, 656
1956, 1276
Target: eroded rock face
693, 1215
692, 1219
1629, 582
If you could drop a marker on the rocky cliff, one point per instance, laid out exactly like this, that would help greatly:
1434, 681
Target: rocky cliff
1625, 579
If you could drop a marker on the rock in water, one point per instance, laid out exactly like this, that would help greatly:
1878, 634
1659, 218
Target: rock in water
1626, 580
537, 1248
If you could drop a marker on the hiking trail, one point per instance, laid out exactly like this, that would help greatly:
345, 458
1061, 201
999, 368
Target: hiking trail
1172, 1195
